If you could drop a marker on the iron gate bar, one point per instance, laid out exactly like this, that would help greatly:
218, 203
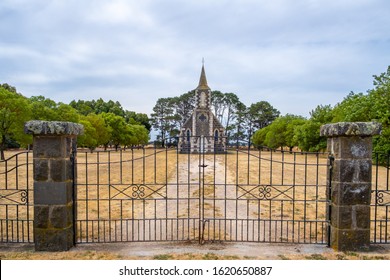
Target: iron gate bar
381, 208
329, 194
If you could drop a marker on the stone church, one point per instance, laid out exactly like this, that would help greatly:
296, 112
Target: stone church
202, 132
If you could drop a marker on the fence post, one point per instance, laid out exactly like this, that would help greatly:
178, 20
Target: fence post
53, 147
350, 144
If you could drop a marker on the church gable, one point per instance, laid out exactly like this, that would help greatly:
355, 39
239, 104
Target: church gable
188, 123
217, 124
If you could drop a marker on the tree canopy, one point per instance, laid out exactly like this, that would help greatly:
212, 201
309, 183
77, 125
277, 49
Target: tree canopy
374, 105
14, 112
170, 113
105, 123
108, 123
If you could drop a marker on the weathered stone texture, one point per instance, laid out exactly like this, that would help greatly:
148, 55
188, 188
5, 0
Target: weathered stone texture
351, 194
53, 193
54, 143
53, 128
41, 169
53, 239
350, 240
351, 129
48, 146
61, 216
352, 171
350, 144
350, 147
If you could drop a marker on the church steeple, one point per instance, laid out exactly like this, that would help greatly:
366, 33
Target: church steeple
203, 80
202, 132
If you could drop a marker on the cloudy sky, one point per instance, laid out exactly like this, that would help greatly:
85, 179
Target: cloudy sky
295, 54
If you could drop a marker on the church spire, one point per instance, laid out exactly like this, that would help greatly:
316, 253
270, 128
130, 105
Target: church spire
203, 80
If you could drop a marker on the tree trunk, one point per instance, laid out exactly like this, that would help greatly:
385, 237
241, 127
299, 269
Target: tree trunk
2, 147
162, 140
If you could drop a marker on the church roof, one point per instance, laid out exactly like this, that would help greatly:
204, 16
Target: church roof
203, 80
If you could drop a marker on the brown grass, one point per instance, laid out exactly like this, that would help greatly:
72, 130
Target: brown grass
111, 255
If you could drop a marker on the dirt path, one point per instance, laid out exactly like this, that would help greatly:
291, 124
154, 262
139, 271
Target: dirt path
195, 194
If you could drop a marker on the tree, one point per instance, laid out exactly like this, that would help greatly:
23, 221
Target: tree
279, 133
46, 109
354, 108
67, 113
43, 108
98, 106
83, 107
261, 114
96, 132
163, 118
226, 107
138, 118
136, 135
118, 128
183, 107
9, 88
14, 112
218, 102
380, 98
110, 106
89, 138
259, 138
103, 131
375, 105
241, 121
307, 136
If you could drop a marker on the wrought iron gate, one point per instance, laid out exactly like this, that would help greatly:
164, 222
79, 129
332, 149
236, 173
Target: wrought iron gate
16, 198
380, 199
159, 194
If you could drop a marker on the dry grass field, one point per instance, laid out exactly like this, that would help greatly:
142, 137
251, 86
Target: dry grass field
160, 195
180, 251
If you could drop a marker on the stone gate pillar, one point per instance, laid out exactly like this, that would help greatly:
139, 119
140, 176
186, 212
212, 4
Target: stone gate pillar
53, 147
350, 144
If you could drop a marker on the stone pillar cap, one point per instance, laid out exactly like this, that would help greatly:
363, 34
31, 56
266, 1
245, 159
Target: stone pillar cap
53, 128
351, 129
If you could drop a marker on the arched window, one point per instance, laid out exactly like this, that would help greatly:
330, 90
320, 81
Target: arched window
216, 135
188, 135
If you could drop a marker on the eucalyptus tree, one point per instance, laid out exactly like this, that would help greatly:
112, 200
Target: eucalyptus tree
14, 112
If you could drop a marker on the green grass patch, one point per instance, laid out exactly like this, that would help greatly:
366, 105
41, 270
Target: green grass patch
210, 256
163, 257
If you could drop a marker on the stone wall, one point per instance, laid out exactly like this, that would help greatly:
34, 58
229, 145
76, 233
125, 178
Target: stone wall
350, 145
54, 157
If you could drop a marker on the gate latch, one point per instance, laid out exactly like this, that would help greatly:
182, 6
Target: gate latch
203, 165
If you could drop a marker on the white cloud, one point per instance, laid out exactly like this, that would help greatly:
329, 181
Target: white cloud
119, 12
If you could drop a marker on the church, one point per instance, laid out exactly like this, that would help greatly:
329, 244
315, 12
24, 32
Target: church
202, 132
